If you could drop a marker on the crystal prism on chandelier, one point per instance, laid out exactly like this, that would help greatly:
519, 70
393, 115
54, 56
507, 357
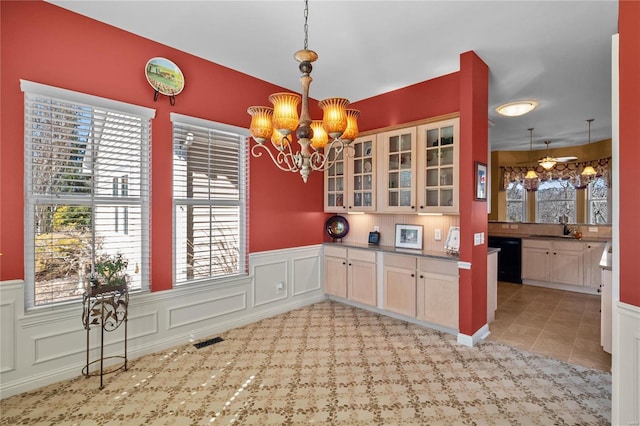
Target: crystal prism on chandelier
338, 128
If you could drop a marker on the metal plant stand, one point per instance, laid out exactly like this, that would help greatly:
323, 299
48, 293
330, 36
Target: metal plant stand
105, 307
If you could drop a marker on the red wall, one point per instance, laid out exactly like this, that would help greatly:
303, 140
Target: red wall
466, 92
629, 30
50, 45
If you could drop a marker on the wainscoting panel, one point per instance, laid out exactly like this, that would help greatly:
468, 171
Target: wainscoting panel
205, 310
10, 304
307, 275
51, 341
270, 282
625, 372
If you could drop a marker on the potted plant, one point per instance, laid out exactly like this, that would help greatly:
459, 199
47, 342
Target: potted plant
110, 274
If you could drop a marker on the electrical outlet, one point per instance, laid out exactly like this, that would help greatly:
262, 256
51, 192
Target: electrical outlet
376, 228
478, 238
593, 229
280, 287
437, 234
505, 226
514, 226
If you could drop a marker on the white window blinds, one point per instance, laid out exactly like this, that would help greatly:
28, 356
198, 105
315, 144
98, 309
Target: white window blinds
87, 190
209, 199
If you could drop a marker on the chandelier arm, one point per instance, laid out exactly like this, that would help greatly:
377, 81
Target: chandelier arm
282, 158
321, 158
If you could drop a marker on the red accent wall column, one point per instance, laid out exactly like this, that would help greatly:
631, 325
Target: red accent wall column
629, 149
474, 98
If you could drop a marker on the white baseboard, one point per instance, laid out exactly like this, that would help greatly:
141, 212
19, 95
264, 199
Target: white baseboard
471, 341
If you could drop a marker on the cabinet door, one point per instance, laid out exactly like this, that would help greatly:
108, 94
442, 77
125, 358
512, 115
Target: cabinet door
438, 159
335, 276
361, 175
399, 290
567, 267
592, 255
398, 170
535, 263
438, 300
362, 284
335, 183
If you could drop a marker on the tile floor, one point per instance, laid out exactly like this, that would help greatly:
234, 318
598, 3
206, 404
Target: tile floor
561, 324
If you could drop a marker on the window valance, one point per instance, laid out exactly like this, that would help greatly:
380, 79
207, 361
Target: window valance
564, 171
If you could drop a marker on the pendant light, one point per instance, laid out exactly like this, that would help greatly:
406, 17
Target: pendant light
531, 173
589, 171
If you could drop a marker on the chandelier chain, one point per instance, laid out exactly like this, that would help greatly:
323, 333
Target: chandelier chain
306, 26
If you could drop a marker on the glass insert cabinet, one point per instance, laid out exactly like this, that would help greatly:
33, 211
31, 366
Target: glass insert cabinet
405, 170
438, 148
350, 183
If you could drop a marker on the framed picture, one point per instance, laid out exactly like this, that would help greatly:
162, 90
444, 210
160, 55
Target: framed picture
481, 181
409, 236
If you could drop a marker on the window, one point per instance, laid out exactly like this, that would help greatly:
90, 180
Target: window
516, 202
209, 199
77, 150
555, 198
597, 193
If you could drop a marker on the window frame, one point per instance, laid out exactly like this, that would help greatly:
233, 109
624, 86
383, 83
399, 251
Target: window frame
33, 199
242, 203
572, 215
590, 201
522, 202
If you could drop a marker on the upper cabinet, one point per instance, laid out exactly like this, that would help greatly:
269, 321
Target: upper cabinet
407, 170
398, 151
350, 183
438, 158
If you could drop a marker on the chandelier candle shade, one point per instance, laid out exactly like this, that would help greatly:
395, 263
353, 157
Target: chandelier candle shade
338, 128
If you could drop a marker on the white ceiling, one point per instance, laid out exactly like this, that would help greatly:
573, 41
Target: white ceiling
557, 52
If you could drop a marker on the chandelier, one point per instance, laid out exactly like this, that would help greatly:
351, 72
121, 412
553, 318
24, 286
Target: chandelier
276, 124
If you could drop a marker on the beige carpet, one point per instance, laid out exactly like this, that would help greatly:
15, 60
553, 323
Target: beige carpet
328, 363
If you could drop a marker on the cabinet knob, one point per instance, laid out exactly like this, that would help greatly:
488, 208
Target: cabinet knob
547, 252
421, 276
344, 263
349, 263
413, 207
413, 275
588, 246
554, 253
599, 290
421, 207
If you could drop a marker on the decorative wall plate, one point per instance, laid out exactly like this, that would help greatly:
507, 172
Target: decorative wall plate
164, 76
337, 226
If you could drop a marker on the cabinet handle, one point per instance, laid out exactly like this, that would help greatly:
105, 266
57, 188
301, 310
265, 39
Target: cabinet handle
555, 253
413, 275
344, 263
421, 276
413, 207
547, 252
349, 264
421, 207
588, 246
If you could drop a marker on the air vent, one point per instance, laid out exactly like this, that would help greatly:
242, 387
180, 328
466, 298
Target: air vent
209, 342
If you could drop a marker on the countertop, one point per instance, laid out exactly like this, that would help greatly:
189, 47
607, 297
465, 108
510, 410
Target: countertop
588, 239
442, 255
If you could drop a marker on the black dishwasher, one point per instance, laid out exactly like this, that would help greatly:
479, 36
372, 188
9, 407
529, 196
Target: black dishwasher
509, 258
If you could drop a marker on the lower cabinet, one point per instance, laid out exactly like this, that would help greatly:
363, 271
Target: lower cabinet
351, 274
422, 288
572, 262
399, 284
438, 292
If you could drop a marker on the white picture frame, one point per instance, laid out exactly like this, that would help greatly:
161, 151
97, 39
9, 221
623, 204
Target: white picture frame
409, 236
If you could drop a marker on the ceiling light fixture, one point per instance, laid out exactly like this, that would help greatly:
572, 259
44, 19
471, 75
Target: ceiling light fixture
589, 171
531, 173
277, 123
547, 162
515, 109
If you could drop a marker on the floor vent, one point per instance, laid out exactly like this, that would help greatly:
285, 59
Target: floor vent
209, 342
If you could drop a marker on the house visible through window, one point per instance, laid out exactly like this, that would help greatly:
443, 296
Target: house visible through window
209, 199
86, 159
516, 202
555, 198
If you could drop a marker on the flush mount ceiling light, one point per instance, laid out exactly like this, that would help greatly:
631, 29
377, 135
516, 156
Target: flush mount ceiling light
278, 123
589, 171
515, 109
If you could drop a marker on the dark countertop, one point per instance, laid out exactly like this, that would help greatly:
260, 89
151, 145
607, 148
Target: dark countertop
552, 237
442, 255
